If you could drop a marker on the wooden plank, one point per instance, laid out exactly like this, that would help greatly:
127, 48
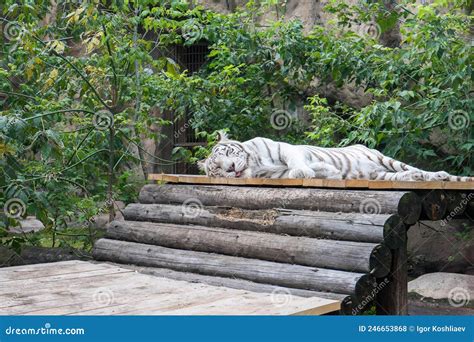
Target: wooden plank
313, 182
263, 305
103, 295
135, 293
357, 183
380, 184
334, 183
458, 185
39, 271
30, 284
70, 291
164, 177
196, 299
320, 183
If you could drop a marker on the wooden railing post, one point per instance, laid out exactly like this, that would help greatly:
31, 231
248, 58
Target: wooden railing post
392, 299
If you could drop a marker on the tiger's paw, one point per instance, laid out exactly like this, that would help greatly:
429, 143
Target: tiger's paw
302, 173
438, 176
412, 176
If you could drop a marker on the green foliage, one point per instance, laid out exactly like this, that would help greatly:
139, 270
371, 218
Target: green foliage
421, 107
67, 75
76, 101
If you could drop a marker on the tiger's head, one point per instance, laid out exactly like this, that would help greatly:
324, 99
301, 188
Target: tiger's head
228, 159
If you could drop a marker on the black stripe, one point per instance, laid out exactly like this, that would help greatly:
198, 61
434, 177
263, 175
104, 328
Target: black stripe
268, 150
281, 173
279, 154
330, 157
349, 166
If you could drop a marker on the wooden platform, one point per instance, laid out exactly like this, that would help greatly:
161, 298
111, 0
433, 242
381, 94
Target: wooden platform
85, 288
317, 183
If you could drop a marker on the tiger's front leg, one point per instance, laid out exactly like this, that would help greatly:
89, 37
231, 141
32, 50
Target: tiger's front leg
325, 171
298, 168
305, 172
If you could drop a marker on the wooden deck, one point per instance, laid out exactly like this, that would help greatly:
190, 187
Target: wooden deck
317, 183
85, 288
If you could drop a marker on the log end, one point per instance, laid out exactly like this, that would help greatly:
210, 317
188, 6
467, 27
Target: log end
394, 232
364, 288
380, 261
409, 208
347, 306
435, 205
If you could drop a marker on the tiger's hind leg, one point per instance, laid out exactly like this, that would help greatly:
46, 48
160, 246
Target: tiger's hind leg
410, 175
415, 175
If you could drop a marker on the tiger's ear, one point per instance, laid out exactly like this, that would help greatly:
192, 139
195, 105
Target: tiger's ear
222, 136
202, 165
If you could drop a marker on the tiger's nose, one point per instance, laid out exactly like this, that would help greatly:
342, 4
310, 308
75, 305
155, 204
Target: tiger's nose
231, 168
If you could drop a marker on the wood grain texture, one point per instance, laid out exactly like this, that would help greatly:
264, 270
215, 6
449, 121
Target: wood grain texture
358, 227
260, 271
405, 203
123, 291
392, 299
346, 301
320, 183
332, 254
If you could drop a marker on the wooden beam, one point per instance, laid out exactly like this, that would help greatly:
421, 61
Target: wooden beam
318, 183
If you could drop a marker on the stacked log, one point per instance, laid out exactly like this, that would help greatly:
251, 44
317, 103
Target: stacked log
404, 203
351, 256
358, 285
377, 228
311, 242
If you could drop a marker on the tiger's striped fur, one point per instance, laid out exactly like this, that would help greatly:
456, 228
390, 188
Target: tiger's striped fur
265, 158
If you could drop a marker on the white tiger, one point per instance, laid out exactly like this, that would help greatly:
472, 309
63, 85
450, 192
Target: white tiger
265, 158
